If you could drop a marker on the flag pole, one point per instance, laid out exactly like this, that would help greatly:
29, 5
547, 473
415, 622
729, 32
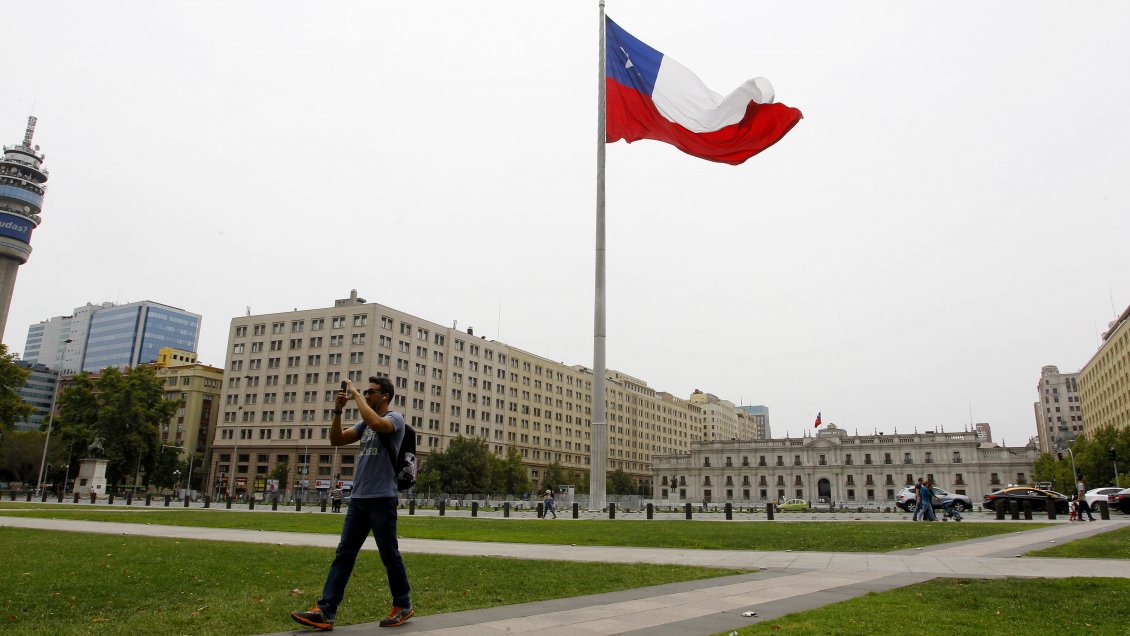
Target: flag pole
598, 430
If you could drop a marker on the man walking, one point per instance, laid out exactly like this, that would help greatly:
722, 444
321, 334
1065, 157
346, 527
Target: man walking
1081, 496
372, 505
917, 501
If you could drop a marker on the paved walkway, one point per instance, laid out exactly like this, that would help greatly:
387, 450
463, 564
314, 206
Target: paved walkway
784, 583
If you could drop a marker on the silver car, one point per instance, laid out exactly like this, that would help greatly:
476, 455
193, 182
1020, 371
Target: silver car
906, 500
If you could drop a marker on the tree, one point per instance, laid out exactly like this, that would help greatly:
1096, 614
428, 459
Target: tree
467, 466
12, 378
620, 483
512, 476
123, 410
553, 477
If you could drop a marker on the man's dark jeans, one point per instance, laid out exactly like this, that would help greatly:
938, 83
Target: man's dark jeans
363, 516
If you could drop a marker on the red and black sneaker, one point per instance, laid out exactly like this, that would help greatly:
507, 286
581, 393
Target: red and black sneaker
314, 617
397, 616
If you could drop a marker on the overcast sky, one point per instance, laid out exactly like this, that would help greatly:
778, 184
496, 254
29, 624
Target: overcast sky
950, 216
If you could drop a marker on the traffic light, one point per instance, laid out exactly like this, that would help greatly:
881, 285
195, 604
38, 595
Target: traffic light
1112, 454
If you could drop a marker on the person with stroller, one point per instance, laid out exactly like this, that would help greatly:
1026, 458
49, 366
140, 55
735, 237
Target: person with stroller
927, 495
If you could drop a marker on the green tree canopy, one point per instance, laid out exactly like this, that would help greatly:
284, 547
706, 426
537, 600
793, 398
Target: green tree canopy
620, 483
12, 378
512, 477
122, 410
467, 466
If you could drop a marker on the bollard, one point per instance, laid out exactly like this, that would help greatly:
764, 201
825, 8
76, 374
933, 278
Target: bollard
251, 502
1051, 511
323, 506
43, 496
411, 506
229, 503
650, 511
611, 510
168, 500
1027, 506
60, 496
29, 493
207, 501
506, 510
474, 508
576, 510
298, 505
186, 501
1014, 509
1002, 506
93, 497
1104, 510
541, 511
12, 495
148, 498
688, 510
274, 504
729, 512
442, 507
129, 498
110, 502
769, 511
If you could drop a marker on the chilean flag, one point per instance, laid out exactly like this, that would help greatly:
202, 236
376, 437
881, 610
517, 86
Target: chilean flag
818, 422
651, 96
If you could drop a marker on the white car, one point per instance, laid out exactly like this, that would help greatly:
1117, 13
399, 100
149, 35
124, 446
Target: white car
1095, 495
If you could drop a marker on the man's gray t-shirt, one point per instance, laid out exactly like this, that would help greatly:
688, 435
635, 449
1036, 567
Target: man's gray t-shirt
374, 475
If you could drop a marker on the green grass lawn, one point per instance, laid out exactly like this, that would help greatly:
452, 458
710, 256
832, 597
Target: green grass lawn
967, 606
847, 536
1108, 545
77, 583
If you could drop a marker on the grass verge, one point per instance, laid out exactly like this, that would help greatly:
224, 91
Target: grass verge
1108, 545
74, 583
847, 536
966, 606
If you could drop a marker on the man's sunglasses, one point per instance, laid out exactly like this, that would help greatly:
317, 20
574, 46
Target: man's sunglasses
368, 392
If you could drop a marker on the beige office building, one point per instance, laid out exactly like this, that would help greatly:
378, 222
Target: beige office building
197, 390
283, 370
835, 467
1104, 382
1059, 412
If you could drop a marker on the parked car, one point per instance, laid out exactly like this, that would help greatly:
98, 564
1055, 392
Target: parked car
1120, 500
906, 500
1095, 495
794, 505
1039, 498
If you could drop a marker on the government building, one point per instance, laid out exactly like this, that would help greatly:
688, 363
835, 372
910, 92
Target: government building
283, 370
834, 467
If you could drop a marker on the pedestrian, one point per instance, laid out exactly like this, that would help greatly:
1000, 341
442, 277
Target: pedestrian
1081, 496
549, 505
1073, 507
927, 495
335, 499
372, 504
917, 501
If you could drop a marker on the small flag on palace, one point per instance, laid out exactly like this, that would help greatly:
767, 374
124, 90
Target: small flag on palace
651, 96
818, 420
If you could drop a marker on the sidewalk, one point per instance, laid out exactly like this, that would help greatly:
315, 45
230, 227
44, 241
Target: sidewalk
784, 583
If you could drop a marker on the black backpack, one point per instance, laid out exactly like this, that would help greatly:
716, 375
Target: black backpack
404, 462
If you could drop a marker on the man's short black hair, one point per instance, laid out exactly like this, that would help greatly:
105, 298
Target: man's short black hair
385, 385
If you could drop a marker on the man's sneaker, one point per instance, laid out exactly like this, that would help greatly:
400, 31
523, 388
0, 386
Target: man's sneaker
397, 616
314, 617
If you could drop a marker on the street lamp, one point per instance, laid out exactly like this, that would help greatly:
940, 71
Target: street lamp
235, 449
176, 481
50, 423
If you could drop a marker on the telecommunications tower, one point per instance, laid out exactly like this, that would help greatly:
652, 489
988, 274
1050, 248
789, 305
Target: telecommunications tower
22, 180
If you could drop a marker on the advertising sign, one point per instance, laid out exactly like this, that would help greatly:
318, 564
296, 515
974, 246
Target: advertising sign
15, 226
322, 484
